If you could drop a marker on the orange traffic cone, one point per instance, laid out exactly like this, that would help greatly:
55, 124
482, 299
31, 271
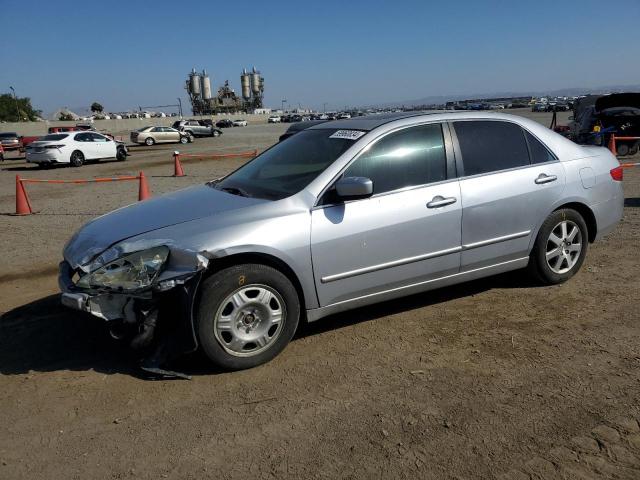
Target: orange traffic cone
177, 166
612, 144
143, 191
23, 206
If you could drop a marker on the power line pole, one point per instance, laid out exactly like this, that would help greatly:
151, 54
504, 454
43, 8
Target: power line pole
16, 100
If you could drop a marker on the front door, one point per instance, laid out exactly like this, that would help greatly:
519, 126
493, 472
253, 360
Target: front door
406, 233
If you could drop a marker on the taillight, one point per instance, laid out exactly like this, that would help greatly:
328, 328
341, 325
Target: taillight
53, 146
617, 173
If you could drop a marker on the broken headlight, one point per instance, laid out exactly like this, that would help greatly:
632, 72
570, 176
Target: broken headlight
128, 273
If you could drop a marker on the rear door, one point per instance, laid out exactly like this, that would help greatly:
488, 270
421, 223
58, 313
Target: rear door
408, 232
509, 183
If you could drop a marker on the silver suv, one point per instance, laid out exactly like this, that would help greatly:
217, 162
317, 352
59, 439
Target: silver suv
340, 215
197, 128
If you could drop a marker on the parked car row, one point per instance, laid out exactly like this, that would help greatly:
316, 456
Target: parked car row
228, 123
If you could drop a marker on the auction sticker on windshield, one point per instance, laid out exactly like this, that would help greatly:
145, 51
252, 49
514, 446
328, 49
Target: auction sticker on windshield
348, 134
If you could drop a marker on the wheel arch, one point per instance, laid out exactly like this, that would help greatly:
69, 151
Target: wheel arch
588, 216
261, 258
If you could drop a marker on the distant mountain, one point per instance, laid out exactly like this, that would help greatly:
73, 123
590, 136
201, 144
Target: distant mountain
562, 92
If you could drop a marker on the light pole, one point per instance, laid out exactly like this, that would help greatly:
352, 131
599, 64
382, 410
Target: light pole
16, 100
324, 107
284, 100
180, 107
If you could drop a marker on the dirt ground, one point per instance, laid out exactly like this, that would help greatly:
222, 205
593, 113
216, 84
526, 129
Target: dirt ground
497, 378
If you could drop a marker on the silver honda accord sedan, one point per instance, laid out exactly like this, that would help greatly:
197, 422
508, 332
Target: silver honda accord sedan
343, 214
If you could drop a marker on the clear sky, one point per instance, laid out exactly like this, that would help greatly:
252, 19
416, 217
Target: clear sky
126, 54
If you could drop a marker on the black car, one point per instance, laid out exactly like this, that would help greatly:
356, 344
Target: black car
224, 123
596, 117
298, 127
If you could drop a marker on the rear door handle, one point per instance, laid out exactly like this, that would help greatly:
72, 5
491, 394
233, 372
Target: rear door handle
439, 201
544, 178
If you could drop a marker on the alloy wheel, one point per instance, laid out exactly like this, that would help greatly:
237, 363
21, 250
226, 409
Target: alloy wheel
564, 246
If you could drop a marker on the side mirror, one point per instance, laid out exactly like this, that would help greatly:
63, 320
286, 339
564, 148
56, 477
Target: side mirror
354, 187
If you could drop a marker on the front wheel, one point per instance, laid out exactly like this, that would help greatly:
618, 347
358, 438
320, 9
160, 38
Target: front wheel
77, 159
247, 314
560, 247
215, 133
184, 139
121, 154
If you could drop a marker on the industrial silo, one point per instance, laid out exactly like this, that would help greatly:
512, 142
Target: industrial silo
245, 83
206, 86
255, 82
195, 83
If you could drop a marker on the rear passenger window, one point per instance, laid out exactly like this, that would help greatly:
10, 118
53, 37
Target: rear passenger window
410, 157
489, 146
539, 153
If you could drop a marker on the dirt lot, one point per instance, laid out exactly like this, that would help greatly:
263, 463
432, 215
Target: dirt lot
493, 379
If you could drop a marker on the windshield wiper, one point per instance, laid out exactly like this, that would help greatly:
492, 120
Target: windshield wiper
235, 191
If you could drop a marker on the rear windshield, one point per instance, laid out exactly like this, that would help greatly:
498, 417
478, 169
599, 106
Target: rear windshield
287, 167
54, 136
8, 135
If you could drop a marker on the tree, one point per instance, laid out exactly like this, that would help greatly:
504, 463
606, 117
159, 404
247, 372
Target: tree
96, 107
17, 109
65, 116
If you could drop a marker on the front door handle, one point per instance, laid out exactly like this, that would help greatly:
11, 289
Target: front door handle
439, 201
544, 178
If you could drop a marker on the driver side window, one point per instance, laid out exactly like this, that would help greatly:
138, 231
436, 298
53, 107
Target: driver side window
411, 157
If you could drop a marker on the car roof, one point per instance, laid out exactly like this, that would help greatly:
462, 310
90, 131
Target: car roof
369, 122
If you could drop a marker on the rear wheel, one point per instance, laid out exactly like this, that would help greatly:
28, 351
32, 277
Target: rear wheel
215, 133
77, 159
149, 141
623, 149
247, 314
560, 247
121, 154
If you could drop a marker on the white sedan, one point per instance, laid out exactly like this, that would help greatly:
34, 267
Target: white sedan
274, 119
239, 123
74, 148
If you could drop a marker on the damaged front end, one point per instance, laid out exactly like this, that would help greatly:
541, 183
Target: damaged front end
144, 289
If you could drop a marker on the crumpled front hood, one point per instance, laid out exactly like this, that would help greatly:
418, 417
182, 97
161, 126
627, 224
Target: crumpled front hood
170, 209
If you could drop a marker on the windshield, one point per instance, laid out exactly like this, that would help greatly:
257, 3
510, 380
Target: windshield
8, 135
55, 136
287, 167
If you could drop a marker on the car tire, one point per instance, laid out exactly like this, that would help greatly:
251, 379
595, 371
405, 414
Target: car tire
149, 141
559, 250
634, 148
246, 315
76, 159
622, 150
215, 133
121, 154
184, 139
